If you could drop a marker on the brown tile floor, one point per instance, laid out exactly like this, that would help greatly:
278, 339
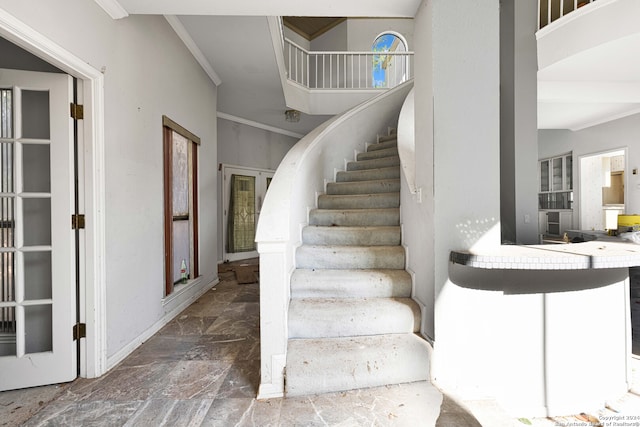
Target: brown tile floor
202, 369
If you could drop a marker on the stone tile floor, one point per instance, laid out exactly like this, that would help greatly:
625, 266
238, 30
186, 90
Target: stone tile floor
202, 369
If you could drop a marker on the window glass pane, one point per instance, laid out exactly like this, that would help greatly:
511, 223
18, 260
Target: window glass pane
35, 114
180, 175
7, 331
6, 113
37, 221
37, 328
242, 209
181, 248
6, 165
37, 275
7, 224
36, 169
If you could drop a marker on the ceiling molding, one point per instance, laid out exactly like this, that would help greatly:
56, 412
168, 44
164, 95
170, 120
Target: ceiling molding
113, 8
604, 119
259, 125
184, 35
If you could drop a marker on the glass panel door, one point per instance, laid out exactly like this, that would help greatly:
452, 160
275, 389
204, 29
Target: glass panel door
37, 281
242, 205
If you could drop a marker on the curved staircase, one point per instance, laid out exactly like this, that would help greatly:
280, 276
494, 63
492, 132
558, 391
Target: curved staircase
352, 323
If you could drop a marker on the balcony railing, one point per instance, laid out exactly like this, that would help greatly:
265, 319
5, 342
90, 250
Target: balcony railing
346, 70
550, 10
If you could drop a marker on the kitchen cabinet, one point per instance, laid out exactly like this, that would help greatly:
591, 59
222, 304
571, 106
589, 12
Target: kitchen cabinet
555, 222
555, 179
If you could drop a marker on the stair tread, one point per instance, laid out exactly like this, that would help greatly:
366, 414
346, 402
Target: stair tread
350, 283
373, 163
389, 143
324, 365
339, 317
359, 201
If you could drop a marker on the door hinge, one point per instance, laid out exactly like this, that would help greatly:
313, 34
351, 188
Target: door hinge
77, 111
79, 331
77, 222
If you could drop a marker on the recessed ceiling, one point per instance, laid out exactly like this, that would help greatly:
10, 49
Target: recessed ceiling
311, 27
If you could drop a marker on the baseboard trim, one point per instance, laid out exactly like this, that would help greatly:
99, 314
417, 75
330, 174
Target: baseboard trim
189, 295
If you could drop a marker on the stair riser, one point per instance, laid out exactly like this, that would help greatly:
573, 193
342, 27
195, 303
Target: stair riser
391, 143
351, 236
316, 366
365, 187
376, 154
350, 284
369, 174
355, 217
384, 138
374, 163
359, 201
326, 318
336, 257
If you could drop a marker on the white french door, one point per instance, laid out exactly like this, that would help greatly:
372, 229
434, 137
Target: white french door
243, 193
37, 246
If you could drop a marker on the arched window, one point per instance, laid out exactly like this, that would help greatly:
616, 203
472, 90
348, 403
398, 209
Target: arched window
389, 70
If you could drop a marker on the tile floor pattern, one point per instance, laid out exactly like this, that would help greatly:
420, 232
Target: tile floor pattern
202, 369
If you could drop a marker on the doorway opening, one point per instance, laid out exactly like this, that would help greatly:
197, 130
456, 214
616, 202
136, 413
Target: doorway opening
243, 192
602, 190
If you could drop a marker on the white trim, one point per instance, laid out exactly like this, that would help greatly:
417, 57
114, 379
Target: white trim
258, 125
396, 34
184, 35
93, 359
276, 387
113, 8
177, 306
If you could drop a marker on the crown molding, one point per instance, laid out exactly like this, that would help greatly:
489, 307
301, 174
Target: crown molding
259, 125
113, 8
184, 35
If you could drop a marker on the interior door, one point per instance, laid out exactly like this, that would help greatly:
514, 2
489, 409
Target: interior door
37, 248
244, 190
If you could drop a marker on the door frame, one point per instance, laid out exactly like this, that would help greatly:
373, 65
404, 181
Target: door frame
578, 184
92, 297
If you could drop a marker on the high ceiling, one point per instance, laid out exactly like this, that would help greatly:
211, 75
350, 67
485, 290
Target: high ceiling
591, 86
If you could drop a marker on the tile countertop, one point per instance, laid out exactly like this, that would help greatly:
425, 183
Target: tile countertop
571, 256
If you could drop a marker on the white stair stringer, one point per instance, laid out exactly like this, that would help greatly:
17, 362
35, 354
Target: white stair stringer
351, 322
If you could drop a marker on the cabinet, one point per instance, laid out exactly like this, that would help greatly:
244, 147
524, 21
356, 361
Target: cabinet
555, 223
556, 182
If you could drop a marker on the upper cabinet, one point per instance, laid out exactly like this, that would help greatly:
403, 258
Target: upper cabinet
556, 182
556, 173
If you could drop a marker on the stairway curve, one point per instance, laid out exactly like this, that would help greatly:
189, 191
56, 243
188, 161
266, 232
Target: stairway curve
352, 322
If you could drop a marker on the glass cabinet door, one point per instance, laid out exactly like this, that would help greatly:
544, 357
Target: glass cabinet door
557, 174
544, 175
568, 173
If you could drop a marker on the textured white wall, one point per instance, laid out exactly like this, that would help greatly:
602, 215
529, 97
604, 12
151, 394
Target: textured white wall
148, 72
466, 106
